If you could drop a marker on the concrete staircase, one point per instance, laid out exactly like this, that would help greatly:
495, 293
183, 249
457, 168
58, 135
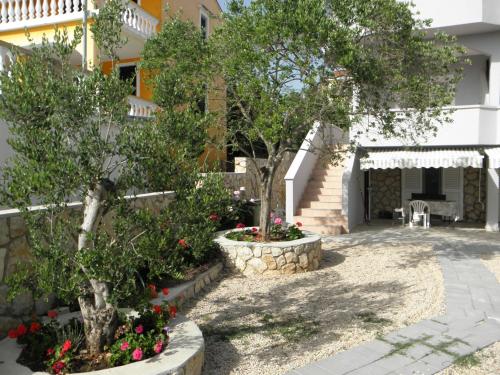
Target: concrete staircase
320, 210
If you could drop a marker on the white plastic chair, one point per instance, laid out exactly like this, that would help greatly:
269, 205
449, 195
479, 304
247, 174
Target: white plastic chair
420, 210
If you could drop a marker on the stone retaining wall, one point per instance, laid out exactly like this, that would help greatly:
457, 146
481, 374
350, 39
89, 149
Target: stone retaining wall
386, 190
257, 258
474, 211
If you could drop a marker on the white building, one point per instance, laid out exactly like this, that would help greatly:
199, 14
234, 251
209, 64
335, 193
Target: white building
456, 171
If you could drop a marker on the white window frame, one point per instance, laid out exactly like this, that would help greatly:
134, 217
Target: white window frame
137, 77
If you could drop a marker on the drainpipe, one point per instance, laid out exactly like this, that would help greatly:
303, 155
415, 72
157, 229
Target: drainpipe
84, 35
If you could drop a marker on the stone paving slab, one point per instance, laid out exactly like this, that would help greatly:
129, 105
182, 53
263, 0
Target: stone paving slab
472, 322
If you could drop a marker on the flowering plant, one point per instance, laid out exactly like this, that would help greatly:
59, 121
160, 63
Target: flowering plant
280, 231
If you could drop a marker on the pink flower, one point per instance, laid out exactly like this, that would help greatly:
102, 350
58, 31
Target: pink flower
124, 346
278, 221
50, 352
66, 346
58, 367
240, 226
137, 354
158, 347
139, 329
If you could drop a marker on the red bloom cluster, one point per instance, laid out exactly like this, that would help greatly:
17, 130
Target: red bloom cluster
66, 346
173, 311
152, 290
165, 291
299, 224
183, 243
157, 309
240, 226
52, 314
254, 230
214, 217
58, 367
21, 330
35, 327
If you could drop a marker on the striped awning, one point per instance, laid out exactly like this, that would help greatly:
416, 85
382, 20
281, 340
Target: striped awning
422, 158
494, 157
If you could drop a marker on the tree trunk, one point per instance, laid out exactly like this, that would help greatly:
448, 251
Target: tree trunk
266, 190
100, 317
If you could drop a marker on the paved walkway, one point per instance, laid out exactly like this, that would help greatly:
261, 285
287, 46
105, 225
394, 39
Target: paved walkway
472, 320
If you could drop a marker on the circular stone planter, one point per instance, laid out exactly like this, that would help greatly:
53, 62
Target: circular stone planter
183, 355
263, 258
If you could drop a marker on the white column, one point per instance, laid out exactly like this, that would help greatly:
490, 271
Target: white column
494, 83
492, 200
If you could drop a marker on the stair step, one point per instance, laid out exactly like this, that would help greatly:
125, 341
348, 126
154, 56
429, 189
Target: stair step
320, 221
308, 197
335, 179
322, 191
322, 205
315, 184
332, 230
315, 212
328, 172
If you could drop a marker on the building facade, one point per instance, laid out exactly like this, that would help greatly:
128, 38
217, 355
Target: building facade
455, 170
141, 20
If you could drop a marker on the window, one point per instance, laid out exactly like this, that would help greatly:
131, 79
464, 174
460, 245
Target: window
204, 25
432, 181
129, 73
203, 101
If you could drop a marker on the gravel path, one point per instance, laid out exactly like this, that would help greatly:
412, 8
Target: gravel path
271, 325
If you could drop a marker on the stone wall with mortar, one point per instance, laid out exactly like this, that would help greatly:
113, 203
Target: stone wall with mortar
14, 248
386, 190
257, 258
474, 195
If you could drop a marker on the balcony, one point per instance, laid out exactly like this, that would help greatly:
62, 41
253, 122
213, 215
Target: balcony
471, 125
18, 14
140, 107
460, 16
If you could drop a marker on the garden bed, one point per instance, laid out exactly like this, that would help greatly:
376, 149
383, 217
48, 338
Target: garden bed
271, 325
264, 258
184, 354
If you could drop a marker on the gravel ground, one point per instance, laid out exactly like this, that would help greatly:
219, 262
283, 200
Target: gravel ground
270, 325
484, 362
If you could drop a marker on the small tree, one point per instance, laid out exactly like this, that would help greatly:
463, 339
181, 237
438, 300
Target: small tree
73, 140
288, 64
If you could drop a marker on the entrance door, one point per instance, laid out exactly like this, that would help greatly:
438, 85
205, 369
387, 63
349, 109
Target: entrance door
411, 182
453, 187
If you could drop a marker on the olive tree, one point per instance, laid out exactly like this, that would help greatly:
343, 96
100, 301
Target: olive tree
73, 140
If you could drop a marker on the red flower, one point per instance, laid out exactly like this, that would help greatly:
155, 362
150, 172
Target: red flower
58, 367
66, 346
137, 354
50, 352
35, 326
213, 217
12, 334
254, 230
152, 290
52, 314
165, 291
240, 226
157, 309
183, 243
173, 311
299, 224
21, 330
139, 329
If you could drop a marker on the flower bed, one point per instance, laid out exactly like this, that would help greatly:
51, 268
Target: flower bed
262, 258
184, 352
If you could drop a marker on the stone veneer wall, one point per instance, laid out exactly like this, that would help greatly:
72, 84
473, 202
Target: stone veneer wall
258, 258
386, 190
14, 248
473, 210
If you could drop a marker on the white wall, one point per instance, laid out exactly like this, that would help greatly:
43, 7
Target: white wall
352, 188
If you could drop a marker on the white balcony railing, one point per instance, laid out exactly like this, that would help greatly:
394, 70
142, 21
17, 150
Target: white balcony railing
18, 14
470, 125
140, 107
139, 21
